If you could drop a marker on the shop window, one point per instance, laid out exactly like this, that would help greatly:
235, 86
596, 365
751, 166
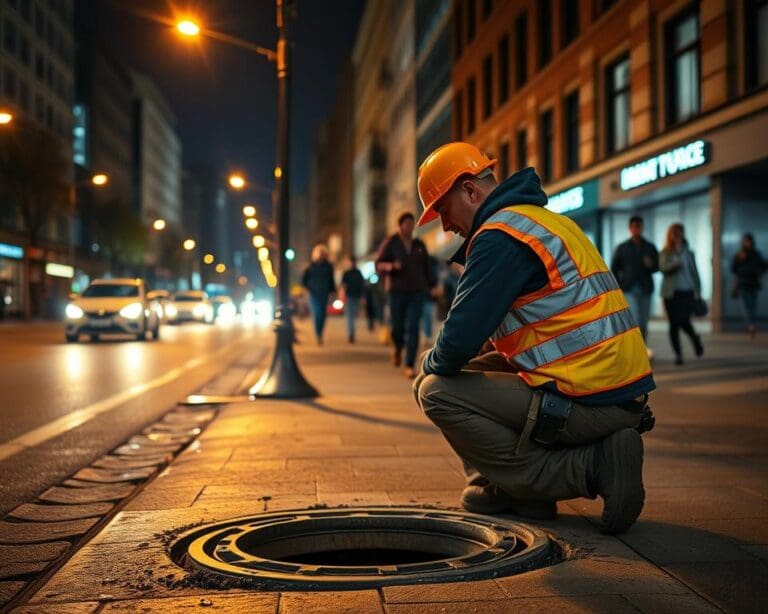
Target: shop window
756, 42
521, 49
504, 161
471, 20
545, 32
487, 87
458, 106
571, 139
546, 137
503, 69
617, 84
522, 148
471, 96
682, 66
569, 16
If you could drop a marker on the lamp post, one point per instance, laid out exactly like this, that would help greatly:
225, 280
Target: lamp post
283, 379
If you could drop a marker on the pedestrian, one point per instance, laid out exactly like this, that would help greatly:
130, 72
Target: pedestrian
428, 308
318, 280
353, 284
680, 288
748, 267
370, 305
633, 265
404, 260
554, 411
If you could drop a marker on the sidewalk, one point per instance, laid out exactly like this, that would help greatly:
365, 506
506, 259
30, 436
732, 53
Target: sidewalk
701, 544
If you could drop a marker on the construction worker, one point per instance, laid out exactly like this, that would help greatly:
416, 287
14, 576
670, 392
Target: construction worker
555, 409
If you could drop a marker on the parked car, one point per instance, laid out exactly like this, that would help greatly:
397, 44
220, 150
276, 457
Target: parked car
112, 306
189, 305
223, 307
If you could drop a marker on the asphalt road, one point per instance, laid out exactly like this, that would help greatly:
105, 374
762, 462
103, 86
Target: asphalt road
63, 405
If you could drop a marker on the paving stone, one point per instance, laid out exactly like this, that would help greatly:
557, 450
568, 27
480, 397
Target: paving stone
80, 607
189, 416
111, 476
28, 553
132, 450
8, 590
17, 570
244, 454
36, 532
94, 494
263, 603
738, 586
487, 590
412, 481
671, 604
761, 552
554, 605
123, 463
440, 498
181, 430
256, 491
353, 499
398, 463
157, 438
54, 513
346, 602
165, 498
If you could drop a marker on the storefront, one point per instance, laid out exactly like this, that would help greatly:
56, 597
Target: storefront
11, 276
581, 203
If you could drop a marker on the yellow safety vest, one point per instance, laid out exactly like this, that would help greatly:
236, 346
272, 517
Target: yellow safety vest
577, 331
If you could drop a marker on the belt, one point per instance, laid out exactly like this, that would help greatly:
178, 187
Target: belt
635, 405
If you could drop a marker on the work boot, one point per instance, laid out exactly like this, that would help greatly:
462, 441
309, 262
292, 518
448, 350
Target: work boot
494, 500
617, 476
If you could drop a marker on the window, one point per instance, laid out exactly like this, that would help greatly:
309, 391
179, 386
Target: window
26, 11
487, 87
617, 98
10, 38
682, 66
487, 8
756, 42
471, 105
521, 49
569, 14
522, 148
39, 66
24, 94
458, 105
25, 55
545, 32
571, 139
40, 22
504, 161
471, 15
545, 145
503, 69
603, 5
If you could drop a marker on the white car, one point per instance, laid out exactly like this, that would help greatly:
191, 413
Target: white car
111, 306
190, 305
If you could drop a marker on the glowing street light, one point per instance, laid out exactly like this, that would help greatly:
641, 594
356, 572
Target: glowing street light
259, 241
263, 253
188, 27
221, 267
236, 181
189, 244
251, 223
6, 117
249, 211
100, 179
290, 254
159, 224
208, 259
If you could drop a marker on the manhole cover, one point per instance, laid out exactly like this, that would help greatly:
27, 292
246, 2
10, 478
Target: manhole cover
363, 547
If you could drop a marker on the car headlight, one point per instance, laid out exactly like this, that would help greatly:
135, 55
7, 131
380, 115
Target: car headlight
171, 311
227, 310
73, 312
199, 311
132, 311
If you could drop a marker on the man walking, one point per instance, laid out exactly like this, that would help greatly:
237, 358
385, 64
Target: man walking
404, 260
555, 411
353, 285
633, 265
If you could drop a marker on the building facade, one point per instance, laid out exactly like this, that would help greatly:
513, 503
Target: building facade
627, 107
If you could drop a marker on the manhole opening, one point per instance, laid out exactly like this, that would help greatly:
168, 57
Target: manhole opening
362, 547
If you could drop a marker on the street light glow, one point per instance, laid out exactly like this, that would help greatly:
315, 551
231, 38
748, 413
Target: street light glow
258, 241
237, 181
221, 267
188, 27
6, 117
249, 211
158, 224
290, 254
263, 253
252, 223
189, 244
100, 179
278, 172
208, 259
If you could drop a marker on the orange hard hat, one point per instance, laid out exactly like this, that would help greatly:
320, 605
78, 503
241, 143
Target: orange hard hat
442, 168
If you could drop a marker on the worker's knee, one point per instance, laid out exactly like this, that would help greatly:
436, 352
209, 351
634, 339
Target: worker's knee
429, 393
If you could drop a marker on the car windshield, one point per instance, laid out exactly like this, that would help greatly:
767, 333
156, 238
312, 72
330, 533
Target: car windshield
186, 298
111, 290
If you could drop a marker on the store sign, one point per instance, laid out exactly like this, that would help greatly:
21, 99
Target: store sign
576, 199
11, 251
59, 270
664, 165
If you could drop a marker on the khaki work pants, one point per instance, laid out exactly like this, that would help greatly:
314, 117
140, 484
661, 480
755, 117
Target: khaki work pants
482, 411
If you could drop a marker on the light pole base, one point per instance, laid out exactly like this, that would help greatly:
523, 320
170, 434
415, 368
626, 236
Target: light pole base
283, 380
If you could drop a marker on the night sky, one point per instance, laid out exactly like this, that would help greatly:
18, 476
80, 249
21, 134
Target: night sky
225, 97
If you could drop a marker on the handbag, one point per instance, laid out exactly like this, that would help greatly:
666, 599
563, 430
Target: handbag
699, 308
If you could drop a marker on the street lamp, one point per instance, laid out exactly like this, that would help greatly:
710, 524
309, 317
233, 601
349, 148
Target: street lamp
189, 244
188, 27
258, 241
221, 267
249, 211
6, 117
236, 181
100, 179
159, 224
283, 378
208, 259
251, 223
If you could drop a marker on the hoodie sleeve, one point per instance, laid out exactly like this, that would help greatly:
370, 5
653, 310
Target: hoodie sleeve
498, 270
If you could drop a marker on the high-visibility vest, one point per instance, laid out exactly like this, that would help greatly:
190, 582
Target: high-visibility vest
577, 331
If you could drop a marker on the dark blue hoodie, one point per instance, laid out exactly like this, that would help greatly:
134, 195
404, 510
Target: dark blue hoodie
498, 271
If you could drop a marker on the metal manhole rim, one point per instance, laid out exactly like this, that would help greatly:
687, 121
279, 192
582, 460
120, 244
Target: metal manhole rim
493, 561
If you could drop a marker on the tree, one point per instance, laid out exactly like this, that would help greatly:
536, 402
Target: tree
34, 177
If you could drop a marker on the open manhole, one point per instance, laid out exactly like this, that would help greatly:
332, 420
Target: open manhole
362, 547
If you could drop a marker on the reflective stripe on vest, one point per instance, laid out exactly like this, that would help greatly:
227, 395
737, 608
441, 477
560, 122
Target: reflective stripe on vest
570, 296
575, 340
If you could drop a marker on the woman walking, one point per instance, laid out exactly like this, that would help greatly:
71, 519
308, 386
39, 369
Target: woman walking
679, 289
318, 279
748, 266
